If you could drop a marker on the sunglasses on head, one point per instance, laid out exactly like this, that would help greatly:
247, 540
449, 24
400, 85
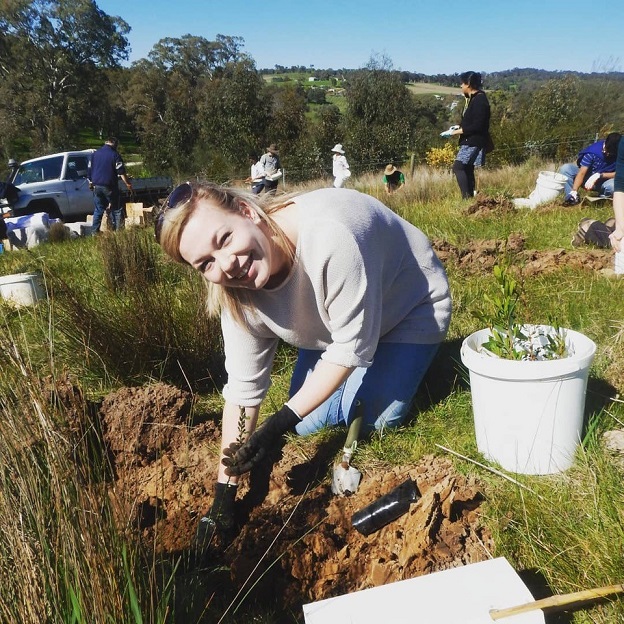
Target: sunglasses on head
180, 195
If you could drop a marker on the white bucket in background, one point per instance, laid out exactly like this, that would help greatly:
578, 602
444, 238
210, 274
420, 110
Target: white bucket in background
548, 186
619, 262
21, 289
79, 228
528, 415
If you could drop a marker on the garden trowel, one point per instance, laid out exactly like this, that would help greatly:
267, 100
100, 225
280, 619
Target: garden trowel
347, 478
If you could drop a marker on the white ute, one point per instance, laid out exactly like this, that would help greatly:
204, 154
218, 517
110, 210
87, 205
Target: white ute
58, 184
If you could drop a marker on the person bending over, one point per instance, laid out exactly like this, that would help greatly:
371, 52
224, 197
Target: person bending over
334, 272
594, 170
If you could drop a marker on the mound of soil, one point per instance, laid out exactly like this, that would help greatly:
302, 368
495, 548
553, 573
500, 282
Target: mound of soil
297, 538
480, 256
485, 205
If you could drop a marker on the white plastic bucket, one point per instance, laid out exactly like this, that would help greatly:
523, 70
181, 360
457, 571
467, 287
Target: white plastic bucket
528, 416
21, 289
547, 187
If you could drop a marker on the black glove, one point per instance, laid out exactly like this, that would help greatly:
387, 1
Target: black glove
241, 459
219, 520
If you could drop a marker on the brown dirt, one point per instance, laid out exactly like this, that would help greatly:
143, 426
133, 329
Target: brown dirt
480, 256
165, 465
485, 205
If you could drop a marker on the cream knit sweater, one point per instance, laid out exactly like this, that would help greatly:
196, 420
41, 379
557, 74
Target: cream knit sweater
361, 275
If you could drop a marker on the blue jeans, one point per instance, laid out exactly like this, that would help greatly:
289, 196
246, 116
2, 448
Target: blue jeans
103, 197
570, 171
385, 389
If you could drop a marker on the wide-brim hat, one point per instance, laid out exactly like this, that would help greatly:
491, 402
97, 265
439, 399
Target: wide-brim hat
389, 170
273, 149
338, 148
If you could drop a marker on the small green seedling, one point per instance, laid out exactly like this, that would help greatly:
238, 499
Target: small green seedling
510, 338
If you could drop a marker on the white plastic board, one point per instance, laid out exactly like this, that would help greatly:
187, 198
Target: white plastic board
462, 595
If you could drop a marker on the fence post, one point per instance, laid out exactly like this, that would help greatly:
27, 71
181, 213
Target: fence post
412, 164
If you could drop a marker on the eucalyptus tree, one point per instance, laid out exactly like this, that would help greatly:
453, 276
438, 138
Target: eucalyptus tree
165, 95
50, 54
381, 116
553, 119
233, 116
287, 117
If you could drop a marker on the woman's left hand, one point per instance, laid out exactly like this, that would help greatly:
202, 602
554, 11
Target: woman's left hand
242, 458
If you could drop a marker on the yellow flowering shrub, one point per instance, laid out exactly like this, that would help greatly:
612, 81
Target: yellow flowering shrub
441, 157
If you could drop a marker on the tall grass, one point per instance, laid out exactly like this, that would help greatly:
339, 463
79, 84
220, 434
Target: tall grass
61, 552
119, 313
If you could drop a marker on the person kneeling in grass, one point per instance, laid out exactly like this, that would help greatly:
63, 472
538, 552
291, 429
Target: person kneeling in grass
357, 289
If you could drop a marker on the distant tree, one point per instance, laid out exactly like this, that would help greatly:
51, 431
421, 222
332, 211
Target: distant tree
549, 120
50, 54
310, 156
381, 116
287, 122
194, 56
233, 115
315, 95
164, 111
167, 94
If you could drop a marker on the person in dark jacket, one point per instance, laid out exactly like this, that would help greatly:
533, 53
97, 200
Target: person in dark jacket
473, 131
105, 167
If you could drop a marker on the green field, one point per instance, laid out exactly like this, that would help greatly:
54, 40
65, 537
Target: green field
427, 88
119, 316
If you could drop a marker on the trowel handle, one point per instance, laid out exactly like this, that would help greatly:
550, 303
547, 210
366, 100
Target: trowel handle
561, 600
355, 426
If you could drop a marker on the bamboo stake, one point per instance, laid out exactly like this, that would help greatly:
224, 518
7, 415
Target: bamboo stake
558, 601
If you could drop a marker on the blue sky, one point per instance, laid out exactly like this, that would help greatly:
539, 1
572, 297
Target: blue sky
428, 36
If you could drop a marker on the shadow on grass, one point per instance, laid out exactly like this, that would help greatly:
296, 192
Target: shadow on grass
445, 374
538, 586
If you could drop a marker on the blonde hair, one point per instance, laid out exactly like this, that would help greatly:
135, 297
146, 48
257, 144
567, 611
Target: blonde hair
234, 300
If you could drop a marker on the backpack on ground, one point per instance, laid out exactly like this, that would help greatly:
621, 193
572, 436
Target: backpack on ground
594, 232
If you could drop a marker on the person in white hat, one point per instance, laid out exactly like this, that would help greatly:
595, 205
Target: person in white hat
340, 167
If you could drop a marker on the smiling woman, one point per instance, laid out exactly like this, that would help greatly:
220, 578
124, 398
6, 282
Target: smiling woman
333, 272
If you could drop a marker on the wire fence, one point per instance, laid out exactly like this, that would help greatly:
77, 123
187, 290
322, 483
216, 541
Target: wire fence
526, 149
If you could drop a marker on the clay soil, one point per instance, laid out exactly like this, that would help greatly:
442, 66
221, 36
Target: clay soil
295, 539
479, 256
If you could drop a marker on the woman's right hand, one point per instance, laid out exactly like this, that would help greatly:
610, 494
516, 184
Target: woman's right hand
242, 458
